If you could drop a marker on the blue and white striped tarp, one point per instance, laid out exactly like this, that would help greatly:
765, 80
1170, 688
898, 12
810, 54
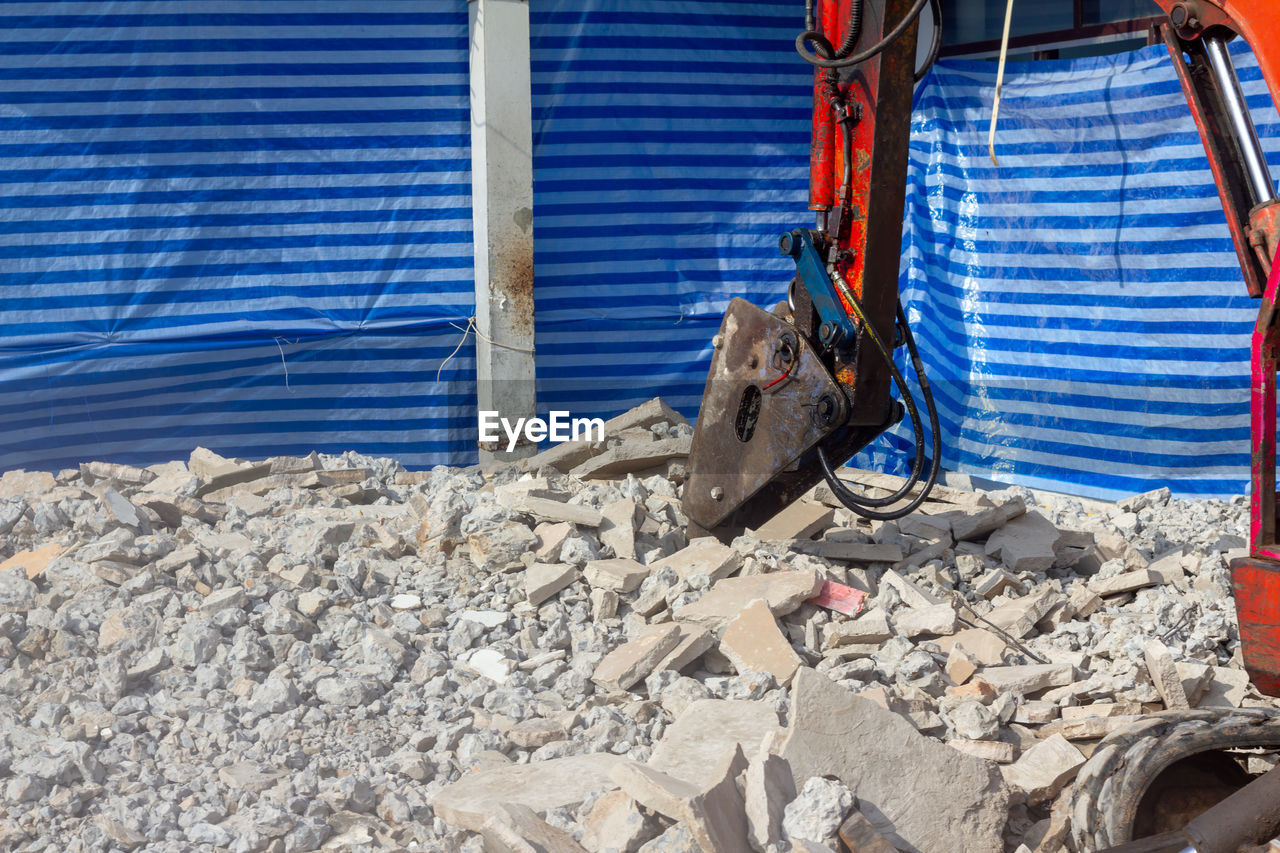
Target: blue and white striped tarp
1080, 307
239, 224
671, 148
247, 225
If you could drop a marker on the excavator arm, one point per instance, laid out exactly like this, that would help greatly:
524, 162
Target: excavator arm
793, 392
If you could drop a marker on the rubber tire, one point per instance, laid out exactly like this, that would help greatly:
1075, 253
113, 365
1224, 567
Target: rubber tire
1110, 785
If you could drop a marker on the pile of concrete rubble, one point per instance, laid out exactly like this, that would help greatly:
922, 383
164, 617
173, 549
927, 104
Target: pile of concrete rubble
334, 653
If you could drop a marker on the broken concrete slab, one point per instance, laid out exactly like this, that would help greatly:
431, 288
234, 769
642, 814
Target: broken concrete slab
1113, 546
32, 563
979, 524
617, 574
935, 620
618, 527
1228, 688
940, 550
617, 823
961, 665
1034, 712
768, 787
833, 732
1086, 728
987, 647
545, 509
1127, 582
515, 828
631, 663
551, 538
567, 455
716, 816
1196, 678
1029, 678
125, 475
925, 526
1041, 772
870, 627
217, 472
1026, 543
849, 552
694, 642
703, 556
172, 508
1084, 602
544, 580
655, 790
996, 751
800, 520
912, 595
631, 457
1019, 617
784, 591
25, 484
713, 814
996, 582
1164, 675
753, 642
691, 746
543, 785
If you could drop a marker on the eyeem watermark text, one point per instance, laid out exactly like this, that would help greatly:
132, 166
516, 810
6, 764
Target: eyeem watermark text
558, 427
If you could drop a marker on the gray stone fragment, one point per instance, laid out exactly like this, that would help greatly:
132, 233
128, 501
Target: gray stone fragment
349, 690
541, 785
544, 580
616, 824
223, 599
631, 662
122, 510
1164, 674
17, 594
691, 746
631, 457
194, 644
618, 527
974, 721
1025, 544
767, 789
833, 732
817, 811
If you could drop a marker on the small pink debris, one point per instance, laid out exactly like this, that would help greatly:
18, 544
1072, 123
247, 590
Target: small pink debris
840, 598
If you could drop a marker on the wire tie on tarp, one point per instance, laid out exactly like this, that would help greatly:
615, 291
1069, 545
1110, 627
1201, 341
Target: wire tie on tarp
471, 327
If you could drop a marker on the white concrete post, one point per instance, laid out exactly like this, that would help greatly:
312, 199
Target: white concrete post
502, 209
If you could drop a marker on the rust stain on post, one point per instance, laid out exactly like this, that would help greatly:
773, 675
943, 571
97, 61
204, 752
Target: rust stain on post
513, 284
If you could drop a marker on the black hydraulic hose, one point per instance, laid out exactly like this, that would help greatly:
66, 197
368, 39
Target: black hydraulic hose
858, 504
857, 58
935, 44
810, 23
854, 32
913, 415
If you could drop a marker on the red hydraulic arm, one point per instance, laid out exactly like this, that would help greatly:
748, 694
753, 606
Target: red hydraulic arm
1197, 33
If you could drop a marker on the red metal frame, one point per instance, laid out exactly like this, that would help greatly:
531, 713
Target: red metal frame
1262, 403
1255, 580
